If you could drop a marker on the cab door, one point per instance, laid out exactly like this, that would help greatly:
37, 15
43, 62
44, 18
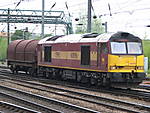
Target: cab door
103, 56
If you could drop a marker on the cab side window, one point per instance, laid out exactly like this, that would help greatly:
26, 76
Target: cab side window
85, 55
104, 48
47, 53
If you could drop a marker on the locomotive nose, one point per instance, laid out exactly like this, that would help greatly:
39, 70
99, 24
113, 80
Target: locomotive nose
123, 60
127, 61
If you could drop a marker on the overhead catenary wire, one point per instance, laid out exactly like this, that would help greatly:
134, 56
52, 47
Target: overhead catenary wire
93, 11
3, 29
118, 11
109, 9
125, 11
114, 12
67, 9
18, 4
52, 6
126, 4
8, 4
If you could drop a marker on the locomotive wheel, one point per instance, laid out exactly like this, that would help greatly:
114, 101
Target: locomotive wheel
27, 72
31, 71
47, 74
106, 82
93, 81
79, 78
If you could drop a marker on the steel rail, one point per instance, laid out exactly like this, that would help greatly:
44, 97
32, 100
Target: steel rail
134, 93
58, 102
29, 103
98, 98
147, 87
16, 107
4, 67
137, 94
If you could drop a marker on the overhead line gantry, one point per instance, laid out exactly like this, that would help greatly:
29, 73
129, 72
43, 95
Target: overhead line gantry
35, 17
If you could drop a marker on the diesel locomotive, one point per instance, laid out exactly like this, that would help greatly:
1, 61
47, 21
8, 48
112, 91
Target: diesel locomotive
109, 59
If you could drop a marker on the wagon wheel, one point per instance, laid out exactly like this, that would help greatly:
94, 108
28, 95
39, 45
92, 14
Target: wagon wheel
12, 69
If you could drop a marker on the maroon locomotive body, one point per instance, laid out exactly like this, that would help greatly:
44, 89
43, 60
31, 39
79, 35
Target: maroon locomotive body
106, 59
73, 52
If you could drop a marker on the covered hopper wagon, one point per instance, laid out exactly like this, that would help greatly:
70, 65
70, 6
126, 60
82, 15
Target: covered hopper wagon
22, 56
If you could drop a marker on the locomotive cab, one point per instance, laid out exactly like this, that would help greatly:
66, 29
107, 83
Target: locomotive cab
126, 59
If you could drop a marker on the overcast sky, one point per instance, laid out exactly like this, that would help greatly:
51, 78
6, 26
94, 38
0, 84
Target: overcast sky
127, 15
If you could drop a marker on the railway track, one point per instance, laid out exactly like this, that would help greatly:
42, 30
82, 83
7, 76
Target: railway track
12, 108
121, 105
4, 70
144, 95
30, 105
137, 94
26, 97
144, 86
113, 103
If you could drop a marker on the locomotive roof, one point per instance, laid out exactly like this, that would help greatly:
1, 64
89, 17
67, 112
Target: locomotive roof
89, 37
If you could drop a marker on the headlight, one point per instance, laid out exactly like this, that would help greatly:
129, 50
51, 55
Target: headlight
140, 67
113, 67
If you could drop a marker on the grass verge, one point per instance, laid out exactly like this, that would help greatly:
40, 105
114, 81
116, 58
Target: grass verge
3, 48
